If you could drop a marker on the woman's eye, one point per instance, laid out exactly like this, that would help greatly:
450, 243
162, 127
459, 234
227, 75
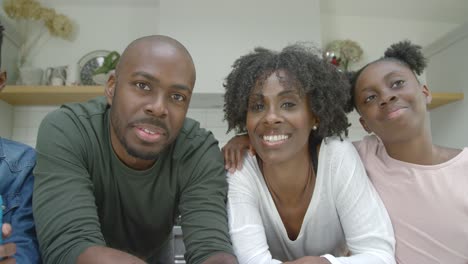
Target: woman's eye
288, 105
256, 107
398, 83
178, 97
142, 86
369, 98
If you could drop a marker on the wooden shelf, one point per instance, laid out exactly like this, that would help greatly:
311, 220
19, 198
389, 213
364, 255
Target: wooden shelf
49, 95
56, 95
440, 99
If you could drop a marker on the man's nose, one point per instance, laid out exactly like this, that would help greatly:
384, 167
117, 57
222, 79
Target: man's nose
157, 107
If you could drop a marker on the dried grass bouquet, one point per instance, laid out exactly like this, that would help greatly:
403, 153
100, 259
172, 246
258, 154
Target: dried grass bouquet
343, 52
33, 20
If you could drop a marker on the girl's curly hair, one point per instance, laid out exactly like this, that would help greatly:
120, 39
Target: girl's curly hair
403, 52
326, 88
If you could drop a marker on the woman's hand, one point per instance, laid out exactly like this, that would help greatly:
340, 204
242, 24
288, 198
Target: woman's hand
9, 249
234, 150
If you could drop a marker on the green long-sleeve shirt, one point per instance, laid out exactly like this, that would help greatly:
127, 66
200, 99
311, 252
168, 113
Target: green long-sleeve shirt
85, 196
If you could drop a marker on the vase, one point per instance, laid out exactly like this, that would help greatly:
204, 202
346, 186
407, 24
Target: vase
30, 76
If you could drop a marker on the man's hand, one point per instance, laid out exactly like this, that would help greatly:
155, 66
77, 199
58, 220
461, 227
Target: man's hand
234, 150
223, 258
105, 255
7, 250
309, 260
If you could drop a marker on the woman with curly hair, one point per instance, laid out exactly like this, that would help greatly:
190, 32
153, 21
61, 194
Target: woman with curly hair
423, 186
305, 196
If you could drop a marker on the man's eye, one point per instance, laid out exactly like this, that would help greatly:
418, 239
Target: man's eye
398, 83
142, 86
369, 98
178, 97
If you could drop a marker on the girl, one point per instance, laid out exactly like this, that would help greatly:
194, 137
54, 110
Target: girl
423, 186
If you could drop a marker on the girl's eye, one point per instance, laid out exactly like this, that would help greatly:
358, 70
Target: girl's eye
398, 83
369, 98
178, 97
142, 86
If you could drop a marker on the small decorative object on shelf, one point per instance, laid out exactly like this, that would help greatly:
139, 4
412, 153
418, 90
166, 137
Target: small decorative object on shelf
101, 74
33, 22
343, 52
56, 76
88, 64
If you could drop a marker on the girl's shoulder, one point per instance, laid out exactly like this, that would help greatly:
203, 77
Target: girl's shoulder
334, 146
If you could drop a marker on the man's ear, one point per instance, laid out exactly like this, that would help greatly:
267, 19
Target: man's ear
3, 79
109, 90
427, 93
364, 125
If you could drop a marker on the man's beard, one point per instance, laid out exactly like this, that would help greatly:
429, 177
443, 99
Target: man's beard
117, 126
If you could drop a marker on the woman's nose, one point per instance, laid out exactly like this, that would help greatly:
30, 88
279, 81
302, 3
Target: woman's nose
272, 116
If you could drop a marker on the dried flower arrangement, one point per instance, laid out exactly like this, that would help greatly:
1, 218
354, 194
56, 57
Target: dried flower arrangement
30, 14
343, 52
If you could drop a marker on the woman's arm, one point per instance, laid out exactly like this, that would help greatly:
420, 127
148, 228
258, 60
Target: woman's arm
245, 223
365, 221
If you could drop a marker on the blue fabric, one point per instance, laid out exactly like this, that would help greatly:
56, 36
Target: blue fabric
16, 185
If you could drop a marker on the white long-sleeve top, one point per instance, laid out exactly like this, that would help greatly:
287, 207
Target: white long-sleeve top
344, 212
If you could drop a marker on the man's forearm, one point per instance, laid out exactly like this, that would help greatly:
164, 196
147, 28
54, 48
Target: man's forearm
221, 258
105, 255
310, 260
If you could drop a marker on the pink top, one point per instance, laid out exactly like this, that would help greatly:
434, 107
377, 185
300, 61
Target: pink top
428, 205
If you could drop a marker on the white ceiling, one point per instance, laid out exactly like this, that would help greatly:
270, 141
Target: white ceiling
447, 11
101, 2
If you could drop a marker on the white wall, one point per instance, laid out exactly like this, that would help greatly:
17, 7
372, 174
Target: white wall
447, 72
375, 35
218, 32
110, 27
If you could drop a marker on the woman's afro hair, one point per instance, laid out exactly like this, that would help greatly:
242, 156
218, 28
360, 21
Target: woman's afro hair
325, 87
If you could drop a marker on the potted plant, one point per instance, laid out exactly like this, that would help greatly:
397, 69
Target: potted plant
102, 73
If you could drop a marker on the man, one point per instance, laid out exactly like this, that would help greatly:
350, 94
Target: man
16, 186
113, 173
